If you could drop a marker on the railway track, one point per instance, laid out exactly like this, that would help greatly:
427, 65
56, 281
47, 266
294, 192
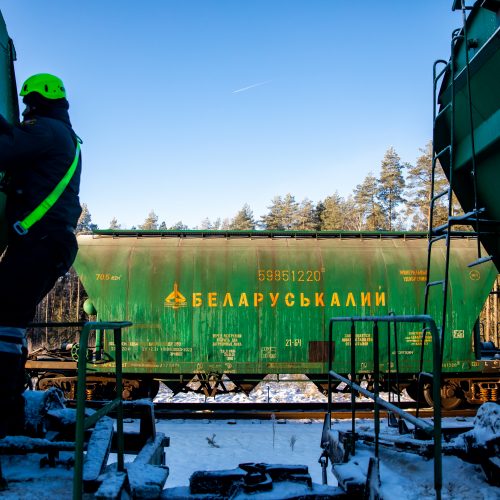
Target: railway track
279, 411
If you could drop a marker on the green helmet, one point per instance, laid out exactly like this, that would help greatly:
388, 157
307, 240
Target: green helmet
48, 86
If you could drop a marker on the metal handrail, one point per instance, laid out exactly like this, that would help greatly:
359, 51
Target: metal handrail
83, 423
435, 429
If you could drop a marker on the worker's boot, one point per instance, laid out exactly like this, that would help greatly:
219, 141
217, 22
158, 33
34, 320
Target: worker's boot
13, 354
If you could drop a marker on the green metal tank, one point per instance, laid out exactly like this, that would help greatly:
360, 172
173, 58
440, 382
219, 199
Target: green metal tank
9, 107
479, 43
260, 302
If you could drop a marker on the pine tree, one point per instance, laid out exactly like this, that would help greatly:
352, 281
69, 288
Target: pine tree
391, 186
272, 219
318, 214
368, 209
113, 224
206, 224
352, 215
179, 226
163, 226
243, 220
332, 217
151, 222
84, 224
282, 213
216, 224
305, 218
418, 183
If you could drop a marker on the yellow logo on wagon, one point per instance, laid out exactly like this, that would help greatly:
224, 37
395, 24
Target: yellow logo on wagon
175, 300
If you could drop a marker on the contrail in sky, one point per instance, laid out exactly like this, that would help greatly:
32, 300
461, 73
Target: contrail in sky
251, 86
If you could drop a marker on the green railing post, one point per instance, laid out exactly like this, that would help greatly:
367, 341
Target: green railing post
80, 414
353, 395
436, 393
83, 423
435, 429
376, 374
119, 394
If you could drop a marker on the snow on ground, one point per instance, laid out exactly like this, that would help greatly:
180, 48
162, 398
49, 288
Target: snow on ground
236, 442
403, 475
218, 445
288, 389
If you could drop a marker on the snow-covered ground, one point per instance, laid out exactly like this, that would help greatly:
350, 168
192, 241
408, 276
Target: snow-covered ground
218, 445
403, 475
288, 389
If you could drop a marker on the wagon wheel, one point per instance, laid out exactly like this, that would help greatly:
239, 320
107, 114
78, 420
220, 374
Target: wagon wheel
415, 394
74, 351
451, 395
45, 380
51, 379
147, 389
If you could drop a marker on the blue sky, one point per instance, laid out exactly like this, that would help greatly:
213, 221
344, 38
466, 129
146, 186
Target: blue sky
192, 108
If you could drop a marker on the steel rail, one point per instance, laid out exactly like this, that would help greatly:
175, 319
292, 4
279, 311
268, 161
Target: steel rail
265, 411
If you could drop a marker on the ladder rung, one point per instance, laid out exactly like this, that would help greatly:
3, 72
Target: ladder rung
437, 238
482, 260
443, 111
447, 148
441, 228
439, 195
434, 283
469, 215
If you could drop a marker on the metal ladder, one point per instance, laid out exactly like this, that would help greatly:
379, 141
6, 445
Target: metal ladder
445, 231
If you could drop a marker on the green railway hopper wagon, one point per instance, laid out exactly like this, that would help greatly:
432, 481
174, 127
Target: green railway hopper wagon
250, 304
9, 107
467, 126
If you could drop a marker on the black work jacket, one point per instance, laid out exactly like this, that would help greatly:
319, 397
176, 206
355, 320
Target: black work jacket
36, 155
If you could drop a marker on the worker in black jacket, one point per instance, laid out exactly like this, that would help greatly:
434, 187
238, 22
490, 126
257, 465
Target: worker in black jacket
41, 159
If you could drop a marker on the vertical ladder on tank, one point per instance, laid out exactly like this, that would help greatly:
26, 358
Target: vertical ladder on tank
445, 231
442, 232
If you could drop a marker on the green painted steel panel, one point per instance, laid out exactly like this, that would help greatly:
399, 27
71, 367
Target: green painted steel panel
8, 103
483, 27
250, 304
